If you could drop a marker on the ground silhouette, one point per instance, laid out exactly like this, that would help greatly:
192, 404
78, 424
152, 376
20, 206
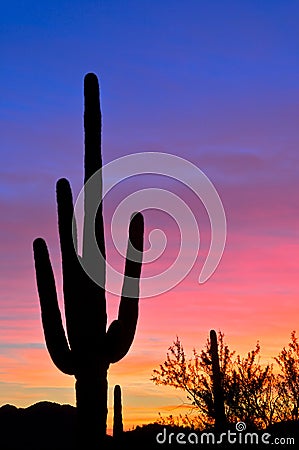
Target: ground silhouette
48, 426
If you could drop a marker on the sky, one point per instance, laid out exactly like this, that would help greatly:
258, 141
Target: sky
213, 82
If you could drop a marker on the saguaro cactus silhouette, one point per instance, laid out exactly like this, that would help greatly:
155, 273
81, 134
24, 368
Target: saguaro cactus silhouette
89, 348
117, 413
220, 418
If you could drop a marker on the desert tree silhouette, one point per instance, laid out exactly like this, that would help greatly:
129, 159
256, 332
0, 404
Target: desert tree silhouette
89, 347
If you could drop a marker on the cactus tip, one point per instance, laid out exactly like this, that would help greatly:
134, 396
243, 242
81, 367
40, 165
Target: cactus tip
213, 334
91, 79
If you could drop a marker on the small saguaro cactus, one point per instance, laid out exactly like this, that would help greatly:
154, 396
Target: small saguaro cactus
117, 413
220, 418
89, 348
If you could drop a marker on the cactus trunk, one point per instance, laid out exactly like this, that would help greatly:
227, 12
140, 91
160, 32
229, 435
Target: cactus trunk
218, 395
117, 417
91, 402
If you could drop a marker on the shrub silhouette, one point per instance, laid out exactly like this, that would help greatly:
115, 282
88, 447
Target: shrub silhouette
89, 348
233, 389
288, 361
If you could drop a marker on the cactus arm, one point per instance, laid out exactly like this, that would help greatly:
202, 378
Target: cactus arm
56, 341
70, 265
133, 261
65, 223
121, 332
